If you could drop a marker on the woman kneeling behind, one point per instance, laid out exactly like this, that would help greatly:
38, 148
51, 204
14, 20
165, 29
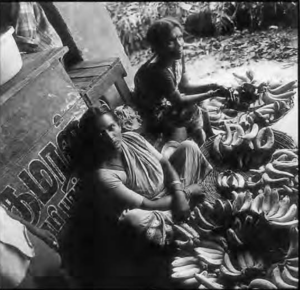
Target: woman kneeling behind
134, 183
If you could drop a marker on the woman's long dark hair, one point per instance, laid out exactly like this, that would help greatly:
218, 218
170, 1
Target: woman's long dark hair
93, 152
160, 31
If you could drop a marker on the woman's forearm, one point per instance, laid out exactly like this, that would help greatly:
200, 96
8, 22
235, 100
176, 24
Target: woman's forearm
196, 98
170, 173
190, 88
164, 203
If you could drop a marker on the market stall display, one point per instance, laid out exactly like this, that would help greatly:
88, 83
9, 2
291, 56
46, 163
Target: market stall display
247, 236
252, 102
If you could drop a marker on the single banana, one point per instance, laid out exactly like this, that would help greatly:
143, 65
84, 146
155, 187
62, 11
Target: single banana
183, 244
279, 152
202, 220
229, 265
210, 261
284, 205
284, 224
252, 134
186, 274
239, 201
240, 179
216, 147
292, 261
184, 261
293, 247
248, 259
203, 232
269, 98
257, 202
266, 206
183, 268
278, 173
288, 278
283, 88
261, 169
264, 110
207, 282
274, 201
237, 224
225, 271
212, 245
240, 77
219, 179
219, 206
268, 180
260, 283
285, 164
190, 229
241, 261
247, 201
190, 282
293, 270
212, 256
278, 281
228, 139
231, 234
182, 232
288, 216
209, 250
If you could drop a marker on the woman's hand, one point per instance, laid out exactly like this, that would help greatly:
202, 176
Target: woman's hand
197, 196
46, 236
180, 206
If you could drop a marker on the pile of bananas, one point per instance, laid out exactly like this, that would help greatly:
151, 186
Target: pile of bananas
243, 149
253, 102
281, 172
264, 115
227, 245
229, 180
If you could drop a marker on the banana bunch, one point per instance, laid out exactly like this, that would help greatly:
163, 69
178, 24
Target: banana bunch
282, 93
292, 251
267, 114
242, 201
207, 281
247, 264
280, 172
185, 236
225, 144
212, 254
229, 180
218, 117
260, 283
183, 270
223, 212
285, 276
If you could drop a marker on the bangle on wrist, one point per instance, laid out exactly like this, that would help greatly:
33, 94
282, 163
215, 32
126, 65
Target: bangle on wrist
176, 185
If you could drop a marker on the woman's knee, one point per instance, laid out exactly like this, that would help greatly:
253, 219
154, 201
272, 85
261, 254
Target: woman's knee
188, 145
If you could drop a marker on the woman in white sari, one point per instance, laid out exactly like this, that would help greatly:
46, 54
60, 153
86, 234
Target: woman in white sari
134, 183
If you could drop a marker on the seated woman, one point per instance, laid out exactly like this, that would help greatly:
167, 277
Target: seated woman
28, 256
163, 95
133, 183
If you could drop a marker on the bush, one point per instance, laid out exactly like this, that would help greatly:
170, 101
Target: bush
132, 19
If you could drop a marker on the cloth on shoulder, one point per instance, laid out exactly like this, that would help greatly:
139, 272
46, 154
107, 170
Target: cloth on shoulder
33, 31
